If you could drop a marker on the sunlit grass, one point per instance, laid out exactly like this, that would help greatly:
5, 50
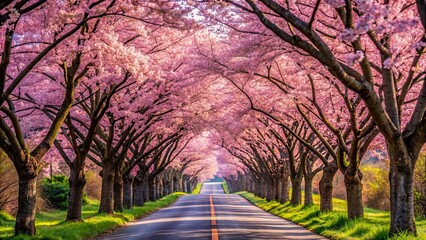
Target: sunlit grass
51, 225
225, 187
197, 188
335, 224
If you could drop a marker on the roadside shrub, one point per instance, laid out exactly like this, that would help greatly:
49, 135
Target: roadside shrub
93, 181
8, 185
55, 192
376, 186
420, 187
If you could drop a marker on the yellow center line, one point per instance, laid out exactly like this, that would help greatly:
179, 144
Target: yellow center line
215, 235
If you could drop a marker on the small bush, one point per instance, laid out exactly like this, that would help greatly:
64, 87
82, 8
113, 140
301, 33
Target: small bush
55, 192
420, 187
376, 186
93, 181
8, 185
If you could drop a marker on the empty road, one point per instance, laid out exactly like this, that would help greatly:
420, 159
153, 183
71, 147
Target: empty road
212, 215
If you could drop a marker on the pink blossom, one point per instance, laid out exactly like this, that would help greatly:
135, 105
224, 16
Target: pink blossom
353, 58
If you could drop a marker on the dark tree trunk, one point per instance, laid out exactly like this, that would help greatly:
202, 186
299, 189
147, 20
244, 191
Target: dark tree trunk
77, 181
326, 187
159, 188
145, 188
25, 218
401, 191
296, 191
308, 191
353, 186
138, 192
258, 187
151, 189
128, 191
264, 187
270, 191
118, 191
177, 182
278, 189
107, 190
188, 186
284, 190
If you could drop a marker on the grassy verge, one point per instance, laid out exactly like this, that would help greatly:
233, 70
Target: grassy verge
225, 187
50, 225
336, 225
197, 188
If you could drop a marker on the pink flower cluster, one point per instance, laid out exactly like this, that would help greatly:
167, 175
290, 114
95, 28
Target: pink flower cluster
353, 58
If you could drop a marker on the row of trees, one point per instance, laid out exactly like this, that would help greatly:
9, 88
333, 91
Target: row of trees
327, 83
93, 81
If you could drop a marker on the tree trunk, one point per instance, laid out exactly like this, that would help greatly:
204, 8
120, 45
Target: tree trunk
354, 195
188, 186
25, 218
401, 191
118, 191
284, 190
77, 181
258, 187
159, 188
270, 191
264, 189
145, 188
296, 191
138, 192
177, 182
151, 189
278, 189
308, 191
326, 187
128, 192
107, 190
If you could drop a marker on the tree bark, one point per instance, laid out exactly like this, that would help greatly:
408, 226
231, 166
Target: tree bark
284, 190
145, 188
118, 191
270, 191
77, 181
401, 191
353, 186
152, 189
308, 191
278, 189
326, 187
107, 190
177, 182
25, 218
128, 192
296, 191
138, 192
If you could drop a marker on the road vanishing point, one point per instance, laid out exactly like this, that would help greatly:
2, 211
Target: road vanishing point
212, 215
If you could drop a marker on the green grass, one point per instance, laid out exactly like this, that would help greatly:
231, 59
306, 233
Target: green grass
225, 187
51, 225
336, 225
197, 188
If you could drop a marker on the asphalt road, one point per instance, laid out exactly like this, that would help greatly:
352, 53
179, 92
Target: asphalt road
212, 215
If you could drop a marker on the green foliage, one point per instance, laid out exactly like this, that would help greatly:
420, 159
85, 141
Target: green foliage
420, 187
376, 186
55, 191
336, 224
225, 187
50, 225
197, 188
